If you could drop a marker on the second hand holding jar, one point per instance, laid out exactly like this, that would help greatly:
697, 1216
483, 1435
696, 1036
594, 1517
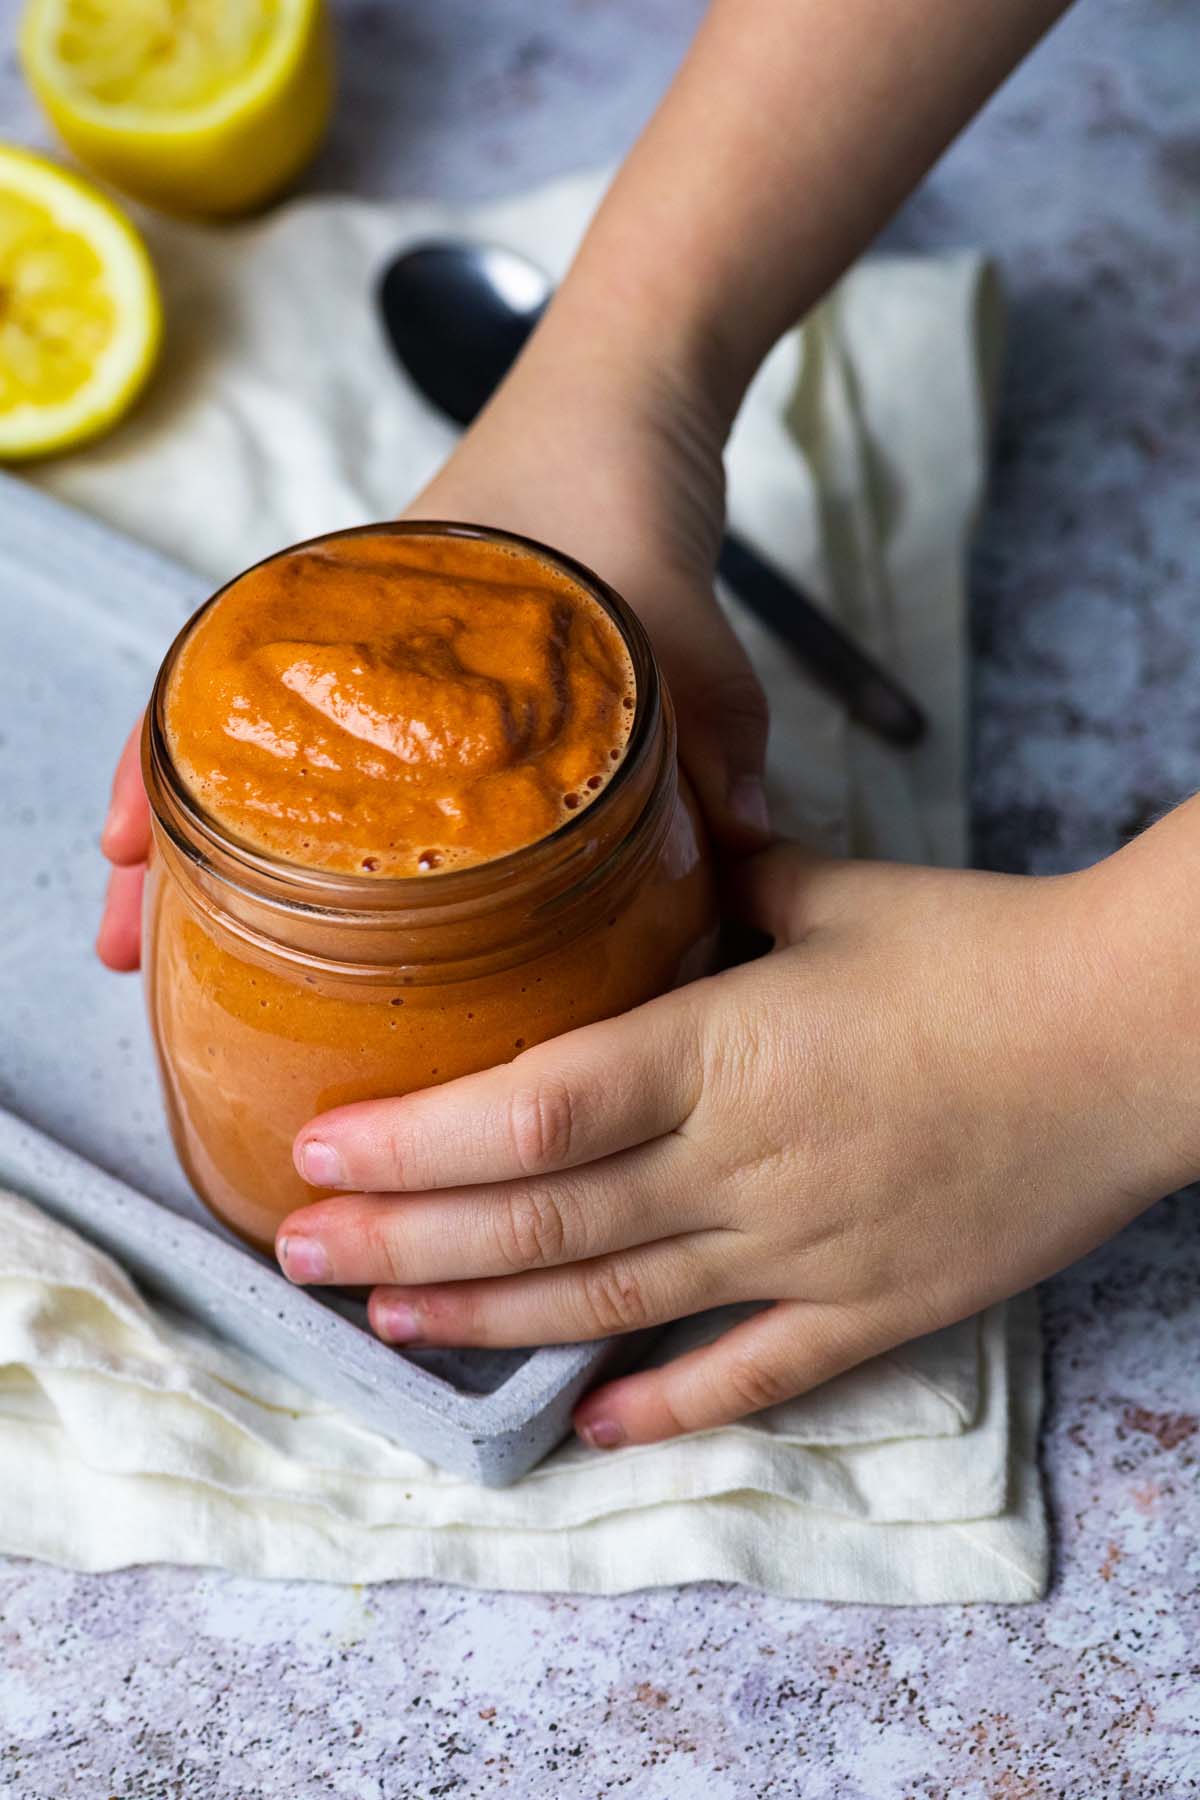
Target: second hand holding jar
415, 807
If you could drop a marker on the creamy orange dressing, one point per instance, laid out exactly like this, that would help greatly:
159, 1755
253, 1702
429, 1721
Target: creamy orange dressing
395, 705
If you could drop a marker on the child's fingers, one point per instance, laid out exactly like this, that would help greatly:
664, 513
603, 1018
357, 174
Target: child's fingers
126, 835
779, 1353
596, 1091
570, 1304
489, 1233
119, 940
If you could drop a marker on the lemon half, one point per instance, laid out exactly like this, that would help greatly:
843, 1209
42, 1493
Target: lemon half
80, 319
196, 106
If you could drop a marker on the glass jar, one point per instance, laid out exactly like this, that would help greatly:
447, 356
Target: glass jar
277, 991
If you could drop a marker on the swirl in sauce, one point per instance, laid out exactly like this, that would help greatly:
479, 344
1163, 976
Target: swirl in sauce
398, 704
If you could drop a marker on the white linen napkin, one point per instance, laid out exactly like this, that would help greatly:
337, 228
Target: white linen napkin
857, 462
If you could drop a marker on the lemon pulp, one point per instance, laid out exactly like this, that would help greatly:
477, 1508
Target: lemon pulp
79, 311
202, 106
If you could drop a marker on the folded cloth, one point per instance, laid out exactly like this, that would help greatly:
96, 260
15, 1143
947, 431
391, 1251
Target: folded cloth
856, 463
129, 1436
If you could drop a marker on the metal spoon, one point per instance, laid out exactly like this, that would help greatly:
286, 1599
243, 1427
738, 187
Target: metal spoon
457, 315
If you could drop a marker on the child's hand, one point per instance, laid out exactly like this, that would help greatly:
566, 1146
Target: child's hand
616, 463
919, 1103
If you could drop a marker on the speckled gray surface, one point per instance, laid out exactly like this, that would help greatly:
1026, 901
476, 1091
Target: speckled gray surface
1084, 178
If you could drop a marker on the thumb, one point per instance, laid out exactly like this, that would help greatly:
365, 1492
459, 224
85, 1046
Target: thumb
780, 892
721, 717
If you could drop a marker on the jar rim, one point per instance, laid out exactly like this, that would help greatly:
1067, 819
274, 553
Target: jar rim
348, 892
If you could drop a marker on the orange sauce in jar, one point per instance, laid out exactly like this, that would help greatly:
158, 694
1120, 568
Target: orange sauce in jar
416, 808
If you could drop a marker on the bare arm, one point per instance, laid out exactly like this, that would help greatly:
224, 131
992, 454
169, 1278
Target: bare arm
792, 132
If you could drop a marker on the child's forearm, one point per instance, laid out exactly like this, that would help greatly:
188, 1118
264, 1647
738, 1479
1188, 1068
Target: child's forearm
792, 132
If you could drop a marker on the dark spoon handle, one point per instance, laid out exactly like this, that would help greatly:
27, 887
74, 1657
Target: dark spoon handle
868, 692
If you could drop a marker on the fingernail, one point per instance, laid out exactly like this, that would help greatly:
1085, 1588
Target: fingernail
748, 804
303, 1259
320, 1164
602, 1434
395, 1322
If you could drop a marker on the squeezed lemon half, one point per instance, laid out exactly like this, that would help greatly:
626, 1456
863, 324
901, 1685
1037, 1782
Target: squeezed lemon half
80, 319
196, 106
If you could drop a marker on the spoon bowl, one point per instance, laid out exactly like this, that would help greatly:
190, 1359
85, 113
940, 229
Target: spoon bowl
458, 315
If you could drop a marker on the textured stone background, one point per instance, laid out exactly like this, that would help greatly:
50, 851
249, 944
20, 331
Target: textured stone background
1084, 178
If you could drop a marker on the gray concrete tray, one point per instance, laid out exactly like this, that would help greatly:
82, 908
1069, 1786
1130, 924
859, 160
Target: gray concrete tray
85, 615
